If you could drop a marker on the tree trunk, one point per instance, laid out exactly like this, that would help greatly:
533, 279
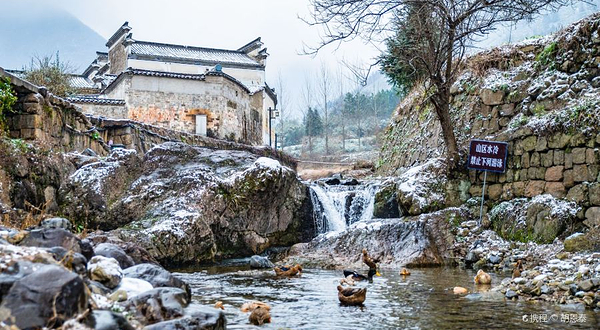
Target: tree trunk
442, 110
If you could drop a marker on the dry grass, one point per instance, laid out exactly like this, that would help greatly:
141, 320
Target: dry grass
501, 58
32, 218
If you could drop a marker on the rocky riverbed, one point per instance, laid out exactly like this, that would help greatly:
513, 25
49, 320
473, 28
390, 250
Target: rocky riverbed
49, 277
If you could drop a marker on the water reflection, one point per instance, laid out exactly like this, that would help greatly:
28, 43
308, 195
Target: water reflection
423, 300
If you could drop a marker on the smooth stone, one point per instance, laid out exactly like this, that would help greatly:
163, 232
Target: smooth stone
258, 262
107, 320
157, 276
494, 259
510, 294
519, 280
586, 285
134, 286
113, 251
106, 271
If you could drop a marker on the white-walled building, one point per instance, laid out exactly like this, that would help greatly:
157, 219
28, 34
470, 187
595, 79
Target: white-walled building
215, 92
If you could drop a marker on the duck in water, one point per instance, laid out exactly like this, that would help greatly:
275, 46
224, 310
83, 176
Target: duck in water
288, 270
355, 276
351, 296
482, 278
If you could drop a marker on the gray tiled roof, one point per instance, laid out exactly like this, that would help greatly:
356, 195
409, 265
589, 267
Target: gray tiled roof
94, 100
179, 53
81, 82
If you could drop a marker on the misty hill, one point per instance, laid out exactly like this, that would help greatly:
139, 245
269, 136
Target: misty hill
38, 28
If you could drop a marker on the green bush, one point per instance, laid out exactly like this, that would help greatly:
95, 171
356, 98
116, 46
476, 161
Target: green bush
7, 100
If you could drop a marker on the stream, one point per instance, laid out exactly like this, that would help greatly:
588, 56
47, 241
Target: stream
423, 300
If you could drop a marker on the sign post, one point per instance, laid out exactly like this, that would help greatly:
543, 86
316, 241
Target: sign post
487, 156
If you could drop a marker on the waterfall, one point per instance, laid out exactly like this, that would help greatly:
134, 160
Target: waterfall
335, 207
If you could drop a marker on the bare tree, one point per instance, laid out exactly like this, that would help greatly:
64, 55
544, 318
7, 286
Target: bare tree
343, 110
325, 89
437, 33
307, 94
283, 100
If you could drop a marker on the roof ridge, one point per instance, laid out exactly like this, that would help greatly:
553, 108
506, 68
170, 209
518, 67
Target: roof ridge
188, 47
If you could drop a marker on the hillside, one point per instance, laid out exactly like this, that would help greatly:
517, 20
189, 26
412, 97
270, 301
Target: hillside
42, 29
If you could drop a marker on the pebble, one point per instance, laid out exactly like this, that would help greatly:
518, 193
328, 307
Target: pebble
520, 280
579, 294
495, 259
510, 294
469, 224
540, 278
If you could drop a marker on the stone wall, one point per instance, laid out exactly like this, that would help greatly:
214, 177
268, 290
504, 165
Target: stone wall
541, 96
52, 122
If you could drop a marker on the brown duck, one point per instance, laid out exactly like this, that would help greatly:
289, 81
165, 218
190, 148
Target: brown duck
288, 270
518, 269
259, 316
352, 296
368, 260
482, 278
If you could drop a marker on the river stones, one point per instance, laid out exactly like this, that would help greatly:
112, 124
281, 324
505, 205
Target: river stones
50, 292
157, 276
13, 273
258, 262
158, 304
113, 251
106, 271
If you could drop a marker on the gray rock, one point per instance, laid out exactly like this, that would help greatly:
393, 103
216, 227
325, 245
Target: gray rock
52, 237
260, 262
12, 274
545, 289
53, 223
157, 276
107, 320
76, 261
586, 285
185, 194
510, 294
50, 292
105, 270
113, 251
495, 259
579, 294
196, 317
157, 305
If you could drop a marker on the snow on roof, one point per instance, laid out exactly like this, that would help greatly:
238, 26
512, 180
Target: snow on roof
94, 100
151, 50
81, 82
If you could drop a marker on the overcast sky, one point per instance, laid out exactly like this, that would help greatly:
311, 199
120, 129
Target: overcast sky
227, 24
230, 24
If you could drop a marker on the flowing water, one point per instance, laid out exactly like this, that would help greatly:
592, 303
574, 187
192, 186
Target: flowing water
335, 207
423, 300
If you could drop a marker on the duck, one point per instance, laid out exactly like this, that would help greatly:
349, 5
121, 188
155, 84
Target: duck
219, 304
482, 278
518, 268
351, 296
368, 260
347, 281
260, 315
404, 272
359, 277
288, 270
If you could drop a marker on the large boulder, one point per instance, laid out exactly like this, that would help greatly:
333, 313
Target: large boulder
541, 219
425, 240
52, 237
260, 262
187, 204
157, 276
196, 317
51, 293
